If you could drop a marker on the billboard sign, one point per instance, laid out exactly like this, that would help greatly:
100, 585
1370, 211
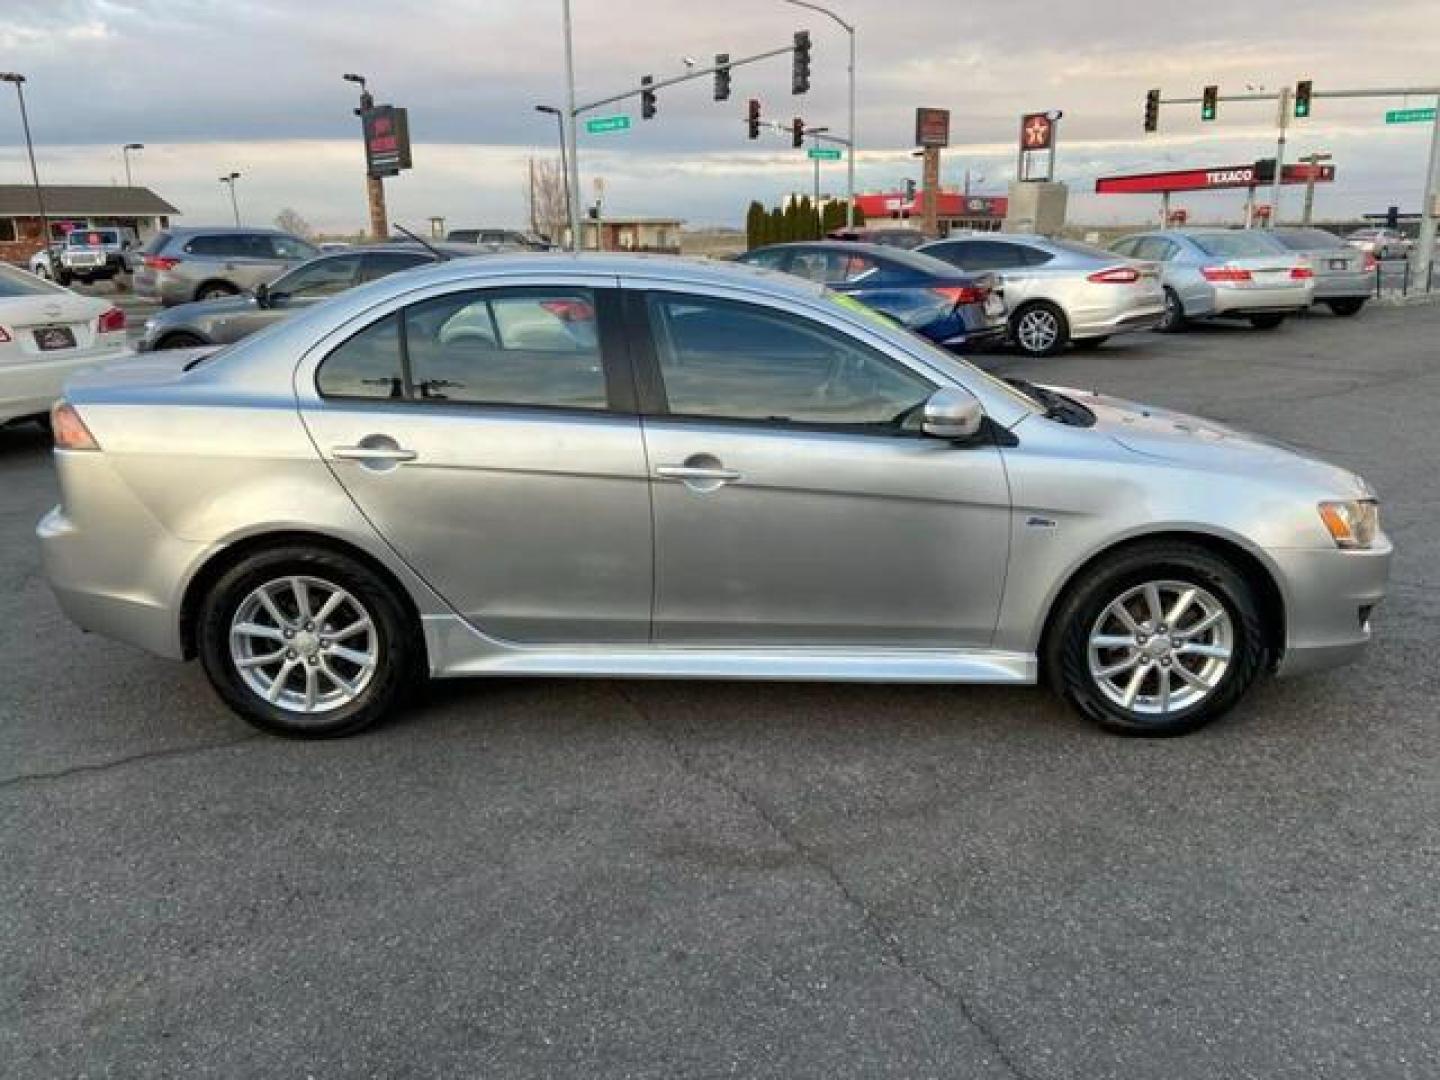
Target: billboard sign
932, 127
1037, 132
1217, 178
387, 140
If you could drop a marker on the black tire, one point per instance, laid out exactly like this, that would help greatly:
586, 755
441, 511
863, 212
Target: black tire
1089, 344
399, 650
181, 339
42, 270
215, 290
62, 278
1067, 654
1173, 321
1050, 332
1266, 322
1346, 308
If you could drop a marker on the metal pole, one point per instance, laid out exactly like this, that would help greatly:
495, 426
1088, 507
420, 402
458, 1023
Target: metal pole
34, 171
1165, 209
1309, 211
849, 28
1425, 254
1284, 121
564, 160
125, 153
816, 199
570, 140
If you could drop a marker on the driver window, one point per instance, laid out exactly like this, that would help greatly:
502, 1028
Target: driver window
723, 359
324, 277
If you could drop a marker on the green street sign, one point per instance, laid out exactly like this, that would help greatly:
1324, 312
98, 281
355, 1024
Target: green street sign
823, 153
601, 124
1409, 116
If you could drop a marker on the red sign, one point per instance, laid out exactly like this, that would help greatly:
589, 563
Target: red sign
387, 140
1037, 131
932, 127
1216, 178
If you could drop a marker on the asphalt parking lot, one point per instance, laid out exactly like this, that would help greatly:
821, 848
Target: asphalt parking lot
549, 878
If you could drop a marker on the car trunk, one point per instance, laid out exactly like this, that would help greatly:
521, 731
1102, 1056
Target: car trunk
56, 326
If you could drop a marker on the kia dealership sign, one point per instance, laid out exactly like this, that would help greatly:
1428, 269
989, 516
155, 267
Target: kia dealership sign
1212, 179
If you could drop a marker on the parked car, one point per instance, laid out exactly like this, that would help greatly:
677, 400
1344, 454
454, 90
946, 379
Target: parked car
47, 333
901, 236
1060, 292
220, 322
1344, 276
183, 264
1223, 274
1382, 243
931, 297
500, 239
616, 466
87, 255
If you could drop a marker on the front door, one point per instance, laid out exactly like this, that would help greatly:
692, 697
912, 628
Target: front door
796, 501
489, 437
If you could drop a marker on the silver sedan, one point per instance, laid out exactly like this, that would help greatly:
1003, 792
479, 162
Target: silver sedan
607, 465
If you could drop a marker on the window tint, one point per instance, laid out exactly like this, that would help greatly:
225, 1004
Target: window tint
992, 255
378, 264
830, 267
730, 360
531, 347
221, 245
323, 277
1236, 244
366, 366
1156, 248
770, 258
1308, 239
284, 247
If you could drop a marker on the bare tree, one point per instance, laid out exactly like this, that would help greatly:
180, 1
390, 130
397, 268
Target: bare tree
547, 198
289, 220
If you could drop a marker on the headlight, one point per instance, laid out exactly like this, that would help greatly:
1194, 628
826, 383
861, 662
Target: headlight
1352, 524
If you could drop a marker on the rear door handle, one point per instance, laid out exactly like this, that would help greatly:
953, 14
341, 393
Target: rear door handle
373, 453
693, 472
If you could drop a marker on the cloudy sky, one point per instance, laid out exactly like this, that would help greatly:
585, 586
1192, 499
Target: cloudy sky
212, 86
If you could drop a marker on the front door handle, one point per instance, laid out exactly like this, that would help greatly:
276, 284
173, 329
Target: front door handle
693, 472
373, 453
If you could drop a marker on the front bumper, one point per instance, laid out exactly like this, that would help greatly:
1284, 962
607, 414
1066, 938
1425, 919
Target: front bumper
1330, 597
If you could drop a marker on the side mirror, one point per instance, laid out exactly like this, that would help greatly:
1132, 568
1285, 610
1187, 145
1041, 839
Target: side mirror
952, 414
262, 294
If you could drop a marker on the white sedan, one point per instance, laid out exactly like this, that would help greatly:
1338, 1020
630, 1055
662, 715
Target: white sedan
47, 334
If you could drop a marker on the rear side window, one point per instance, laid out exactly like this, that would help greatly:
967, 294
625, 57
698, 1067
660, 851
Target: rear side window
284, 247
218, 244
156, 243
378, 264
1232, 245
366, 366
1308, 239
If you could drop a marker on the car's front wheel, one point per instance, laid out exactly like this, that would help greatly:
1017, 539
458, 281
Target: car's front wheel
181, 339
307, 643
1039, 329
1159, 639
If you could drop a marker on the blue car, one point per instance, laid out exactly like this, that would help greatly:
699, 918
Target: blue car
933, 298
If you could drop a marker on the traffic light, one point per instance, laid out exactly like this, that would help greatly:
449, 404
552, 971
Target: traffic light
647, 98
1392, 218
753, 118
1152, 110
909, 190
722, 76
1208, 102
797, 133
1302, 99
800, 73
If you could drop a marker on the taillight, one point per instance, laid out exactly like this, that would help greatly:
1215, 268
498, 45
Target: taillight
1301, 273
5, 337
961, 294
1118, 275
1371, 262
70, 431
1225, 273
112, 320
161, 262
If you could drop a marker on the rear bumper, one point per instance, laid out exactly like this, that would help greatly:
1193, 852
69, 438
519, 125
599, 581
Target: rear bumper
1330, 597
1097, 324
29, 388
1358, 285
1263, 301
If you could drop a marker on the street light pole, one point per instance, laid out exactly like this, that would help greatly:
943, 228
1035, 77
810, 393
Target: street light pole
850, 132
229, 181
564, 157
125, 153
18, 81
374, 185
569, 129
1313, 160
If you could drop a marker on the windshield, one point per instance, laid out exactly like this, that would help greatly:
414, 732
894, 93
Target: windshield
92, 237
1229, 245
934, 353
15, 282
1308, 239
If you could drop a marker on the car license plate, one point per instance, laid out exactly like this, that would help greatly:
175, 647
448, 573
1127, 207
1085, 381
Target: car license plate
994, 304
1339, 264
54, 338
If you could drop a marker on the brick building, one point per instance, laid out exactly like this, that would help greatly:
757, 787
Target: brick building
72, 206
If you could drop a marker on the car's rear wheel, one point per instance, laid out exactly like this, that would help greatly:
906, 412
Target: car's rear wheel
1174, 317
1158, 640
307, 643
1266, 322
1086, 344
180, 340
1347, 307
215, 290
1039, 329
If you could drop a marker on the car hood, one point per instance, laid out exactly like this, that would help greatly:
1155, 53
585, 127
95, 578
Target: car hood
1198, 443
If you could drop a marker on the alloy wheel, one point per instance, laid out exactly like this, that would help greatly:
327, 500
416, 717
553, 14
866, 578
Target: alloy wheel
1161, 647
1037, 331
304, 645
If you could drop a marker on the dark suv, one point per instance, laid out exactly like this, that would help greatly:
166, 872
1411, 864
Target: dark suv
180, 265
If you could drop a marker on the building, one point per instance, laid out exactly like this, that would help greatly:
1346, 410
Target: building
631, 234
956, 211
74, 206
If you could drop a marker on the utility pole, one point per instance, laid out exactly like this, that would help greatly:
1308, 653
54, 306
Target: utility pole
229, 181
374, 185
1275, 189
571, 142
1430, 207
564, 158
125, 153
1313, 160
18, 81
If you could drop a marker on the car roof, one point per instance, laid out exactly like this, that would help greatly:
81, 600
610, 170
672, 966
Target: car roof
227, 230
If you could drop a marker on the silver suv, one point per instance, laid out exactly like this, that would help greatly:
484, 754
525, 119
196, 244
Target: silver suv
180, 265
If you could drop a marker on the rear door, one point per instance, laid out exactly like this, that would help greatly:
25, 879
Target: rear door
795, 503
490, 436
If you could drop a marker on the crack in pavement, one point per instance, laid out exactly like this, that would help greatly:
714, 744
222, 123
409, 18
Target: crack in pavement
889, 943
106, 766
